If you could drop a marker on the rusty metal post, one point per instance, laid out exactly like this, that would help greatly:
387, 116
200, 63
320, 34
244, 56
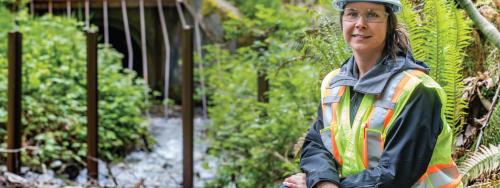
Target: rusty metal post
262, 86
187, 106
50, 7
92, 98
14, 102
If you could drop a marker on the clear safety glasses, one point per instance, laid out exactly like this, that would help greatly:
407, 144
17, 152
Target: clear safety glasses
371, 16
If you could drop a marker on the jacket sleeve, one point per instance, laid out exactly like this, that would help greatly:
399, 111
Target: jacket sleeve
316, 161
408, 146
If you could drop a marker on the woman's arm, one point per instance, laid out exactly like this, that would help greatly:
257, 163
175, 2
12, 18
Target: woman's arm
316, 161
409, 144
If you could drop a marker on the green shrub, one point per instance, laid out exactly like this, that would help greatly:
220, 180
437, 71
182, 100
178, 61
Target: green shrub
254, 140
54, 93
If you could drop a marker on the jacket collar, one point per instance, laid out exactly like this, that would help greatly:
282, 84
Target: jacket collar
376, 78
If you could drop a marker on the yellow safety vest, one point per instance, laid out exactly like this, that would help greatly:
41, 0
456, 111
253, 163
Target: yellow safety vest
359, 146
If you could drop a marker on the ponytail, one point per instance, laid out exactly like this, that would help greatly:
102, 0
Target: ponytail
397, 36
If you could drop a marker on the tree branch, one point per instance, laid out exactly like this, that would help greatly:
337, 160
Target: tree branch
488, 116
484, 26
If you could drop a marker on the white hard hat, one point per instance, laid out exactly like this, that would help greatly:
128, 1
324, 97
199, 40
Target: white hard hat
395, 5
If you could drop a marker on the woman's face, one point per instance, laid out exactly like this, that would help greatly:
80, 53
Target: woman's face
364, 26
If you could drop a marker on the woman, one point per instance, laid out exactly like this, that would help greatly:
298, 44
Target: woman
381, 121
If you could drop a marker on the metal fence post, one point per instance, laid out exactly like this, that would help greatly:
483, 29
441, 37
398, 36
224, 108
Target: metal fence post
14, 102
92, 98
187, 106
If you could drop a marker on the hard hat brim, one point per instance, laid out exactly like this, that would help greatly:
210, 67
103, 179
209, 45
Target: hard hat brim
396, 6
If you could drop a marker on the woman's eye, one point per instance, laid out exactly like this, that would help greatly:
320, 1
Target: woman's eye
352, 14
373, 15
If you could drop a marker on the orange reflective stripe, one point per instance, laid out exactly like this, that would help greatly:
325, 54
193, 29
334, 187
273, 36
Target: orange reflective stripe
423, 177
402, 83
365, 139
335, 149
399, 88
388, 117
453, 184
416, 73
397, 93
341, 91
336, 152
438, 167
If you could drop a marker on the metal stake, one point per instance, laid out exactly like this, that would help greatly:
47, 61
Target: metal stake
187, 106
14, 107
92, 99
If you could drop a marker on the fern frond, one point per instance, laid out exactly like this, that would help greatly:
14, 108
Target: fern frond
458, 36
413, 23
492, 183
484, 161
436, 25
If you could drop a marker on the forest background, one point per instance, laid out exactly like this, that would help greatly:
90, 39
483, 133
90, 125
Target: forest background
290, 43
295, 43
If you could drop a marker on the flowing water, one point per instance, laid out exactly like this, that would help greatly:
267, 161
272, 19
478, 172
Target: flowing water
162, 167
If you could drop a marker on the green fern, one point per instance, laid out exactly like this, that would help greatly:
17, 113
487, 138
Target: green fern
458, 39
492, 183
435, 25
438, 34
413, 23
325, 44
482, 162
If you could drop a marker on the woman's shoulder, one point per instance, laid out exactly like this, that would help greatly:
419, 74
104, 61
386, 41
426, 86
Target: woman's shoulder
329, 77
425, 85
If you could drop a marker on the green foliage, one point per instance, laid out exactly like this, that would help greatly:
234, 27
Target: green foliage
249, 8
54, 93
492, 132
438, 36
483, 162
325, 45
254, 140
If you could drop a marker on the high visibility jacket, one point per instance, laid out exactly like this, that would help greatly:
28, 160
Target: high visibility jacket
358, 146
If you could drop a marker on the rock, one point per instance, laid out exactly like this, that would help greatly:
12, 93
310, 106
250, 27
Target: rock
15, 179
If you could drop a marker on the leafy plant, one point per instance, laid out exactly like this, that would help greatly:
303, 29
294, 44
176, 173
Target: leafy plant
483, 162
54, 93
254, 140
438, 35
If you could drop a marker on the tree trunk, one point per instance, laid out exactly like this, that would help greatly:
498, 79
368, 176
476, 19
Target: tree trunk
484, 26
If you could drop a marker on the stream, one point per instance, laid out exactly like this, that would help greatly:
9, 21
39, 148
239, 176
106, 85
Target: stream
162, 167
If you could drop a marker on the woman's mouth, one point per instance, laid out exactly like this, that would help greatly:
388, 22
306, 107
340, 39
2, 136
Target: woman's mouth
358, 36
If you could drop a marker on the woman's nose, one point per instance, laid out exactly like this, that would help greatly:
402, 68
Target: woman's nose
361, 22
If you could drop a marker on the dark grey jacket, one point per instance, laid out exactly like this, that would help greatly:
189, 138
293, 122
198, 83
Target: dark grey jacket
409, 142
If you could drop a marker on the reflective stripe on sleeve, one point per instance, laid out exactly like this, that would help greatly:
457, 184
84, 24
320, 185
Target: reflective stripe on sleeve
440, 175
